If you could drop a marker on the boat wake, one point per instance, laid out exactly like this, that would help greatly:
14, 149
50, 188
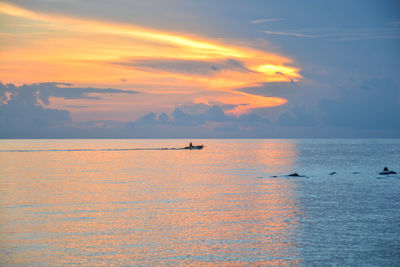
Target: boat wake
91, 149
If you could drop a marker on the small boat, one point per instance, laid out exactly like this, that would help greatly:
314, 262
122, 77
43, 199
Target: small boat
194, 147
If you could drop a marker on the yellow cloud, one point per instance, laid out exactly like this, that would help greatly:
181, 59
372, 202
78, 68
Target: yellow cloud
85, 51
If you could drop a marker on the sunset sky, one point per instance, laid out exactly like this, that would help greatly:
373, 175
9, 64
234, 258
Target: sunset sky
199, 68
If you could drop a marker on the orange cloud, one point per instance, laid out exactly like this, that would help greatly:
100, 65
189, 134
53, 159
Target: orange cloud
87, 52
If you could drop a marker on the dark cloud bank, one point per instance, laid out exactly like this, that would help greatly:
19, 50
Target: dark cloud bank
368, 110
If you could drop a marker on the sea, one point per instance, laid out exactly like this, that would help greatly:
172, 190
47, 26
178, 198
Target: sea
152, 203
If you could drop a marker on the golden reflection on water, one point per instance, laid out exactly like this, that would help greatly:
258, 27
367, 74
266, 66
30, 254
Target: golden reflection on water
149, 207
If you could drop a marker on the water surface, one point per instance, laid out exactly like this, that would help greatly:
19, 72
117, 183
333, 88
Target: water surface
146, 202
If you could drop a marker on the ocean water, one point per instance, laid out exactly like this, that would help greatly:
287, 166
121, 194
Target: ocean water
136, 203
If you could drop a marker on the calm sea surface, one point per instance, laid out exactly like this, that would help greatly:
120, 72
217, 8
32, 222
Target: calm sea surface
133, 203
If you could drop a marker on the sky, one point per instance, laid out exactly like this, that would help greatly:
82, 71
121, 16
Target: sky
199, 69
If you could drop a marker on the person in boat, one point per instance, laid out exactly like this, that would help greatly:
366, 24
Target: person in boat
190, 145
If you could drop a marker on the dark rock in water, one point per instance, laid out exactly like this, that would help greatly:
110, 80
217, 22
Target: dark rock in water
296, 175
274, 176
387, 172
392, 172
332, 173
356, 173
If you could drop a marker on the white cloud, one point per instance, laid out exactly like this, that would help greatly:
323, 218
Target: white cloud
258, 21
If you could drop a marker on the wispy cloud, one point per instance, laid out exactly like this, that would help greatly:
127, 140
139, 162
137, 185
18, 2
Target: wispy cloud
258, 21
395, 23
337, 34
365, 34
290, 34
189, 67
